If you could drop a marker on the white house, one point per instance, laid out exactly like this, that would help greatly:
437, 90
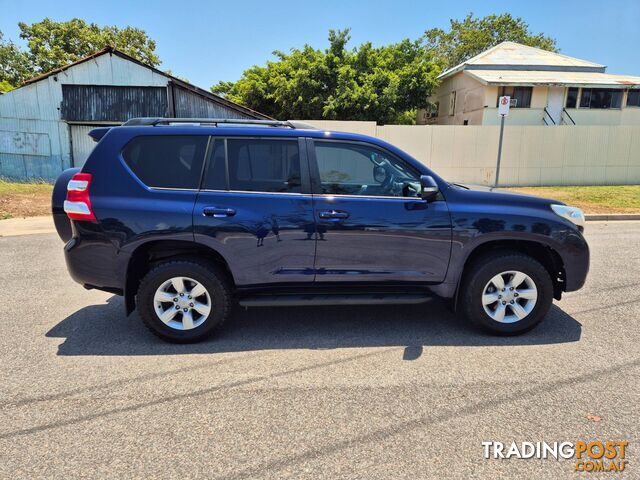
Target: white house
546, 88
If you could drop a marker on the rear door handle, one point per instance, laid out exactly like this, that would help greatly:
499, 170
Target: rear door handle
216, 212
333, 215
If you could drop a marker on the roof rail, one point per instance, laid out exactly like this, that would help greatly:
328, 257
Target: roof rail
153, 121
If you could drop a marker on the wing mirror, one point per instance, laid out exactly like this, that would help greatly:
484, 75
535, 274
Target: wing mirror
428, 187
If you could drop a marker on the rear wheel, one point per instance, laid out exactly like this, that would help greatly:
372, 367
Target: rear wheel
183, 301
506, 294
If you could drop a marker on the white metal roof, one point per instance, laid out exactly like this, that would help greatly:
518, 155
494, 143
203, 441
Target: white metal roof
519, 57
571, 79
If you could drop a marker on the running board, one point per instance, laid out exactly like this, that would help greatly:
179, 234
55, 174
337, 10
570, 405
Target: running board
335, 299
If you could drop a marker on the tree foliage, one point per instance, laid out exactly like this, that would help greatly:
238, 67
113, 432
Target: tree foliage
14, 65
471, 36
385, 84
53, 44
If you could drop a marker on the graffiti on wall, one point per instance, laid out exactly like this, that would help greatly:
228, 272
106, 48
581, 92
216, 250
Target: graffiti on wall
25, 143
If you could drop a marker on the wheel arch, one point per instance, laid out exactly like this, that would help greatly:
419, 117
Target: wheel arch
547, 256
145, 256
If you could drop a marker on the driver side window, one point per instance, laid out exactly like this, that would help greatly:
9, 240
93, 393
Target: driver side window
355, 169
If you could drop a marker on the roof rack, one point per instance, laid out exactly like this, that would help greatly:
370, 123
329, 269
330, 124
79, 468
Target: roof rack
153, 121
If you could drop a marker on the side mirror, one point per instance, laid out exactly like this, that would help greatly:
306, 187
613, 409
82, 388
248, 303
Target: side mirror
428, 187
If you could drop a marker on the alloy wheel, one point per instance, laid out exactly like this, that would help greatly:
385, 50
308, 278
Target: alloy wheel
182, 303
509, 296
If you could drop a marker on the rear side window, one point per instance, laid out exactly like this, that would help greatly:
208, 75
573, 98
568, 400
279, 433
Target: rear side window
264, 165
167, 161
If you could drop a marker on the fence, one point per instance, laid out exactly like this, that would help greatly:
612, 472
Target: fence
531, 155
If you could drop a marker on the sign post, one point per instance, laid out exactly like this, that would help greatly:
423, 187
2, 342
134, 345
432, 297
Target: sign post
503, 110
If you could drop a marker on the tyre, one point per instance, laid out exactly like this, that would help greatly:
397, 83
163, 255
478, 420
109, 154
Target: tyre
184, 301
506, 294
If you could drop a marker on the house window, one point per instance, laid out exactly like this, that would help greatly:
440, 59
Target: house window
572, 97
601, 98
633, 98
452, 103
521, 95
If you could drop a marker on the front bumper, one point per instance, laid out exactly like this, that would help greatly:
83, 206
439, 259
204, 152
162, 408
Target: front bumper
575, 256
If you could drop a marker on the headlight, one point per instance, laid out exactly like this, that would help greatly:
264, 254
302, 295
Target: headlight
573, 214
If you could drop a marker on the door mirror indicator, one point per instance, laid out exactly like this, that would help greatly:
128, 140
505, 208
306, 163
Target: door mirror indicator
428, 187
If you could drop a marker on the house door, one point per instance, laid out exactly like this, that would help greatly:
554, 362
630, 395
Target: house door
555, 101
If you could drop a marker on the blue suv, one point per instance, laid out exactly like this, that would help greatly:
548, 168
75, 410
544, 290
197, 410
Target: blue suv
188, 217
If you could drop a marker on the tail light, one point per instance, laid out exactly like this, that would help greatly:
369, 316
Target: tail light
78, 205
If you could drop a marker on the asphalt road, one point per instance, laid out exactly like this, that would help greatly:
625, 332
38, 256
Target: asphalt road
311, 393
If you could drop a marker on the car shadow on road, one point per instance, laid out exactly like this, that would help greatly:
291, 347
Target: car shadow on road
105, 330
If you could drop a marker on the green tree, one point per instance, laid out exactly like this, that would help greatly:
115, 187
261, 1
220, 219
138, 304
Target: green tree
14, 65
54, 44
385, 84
471, 36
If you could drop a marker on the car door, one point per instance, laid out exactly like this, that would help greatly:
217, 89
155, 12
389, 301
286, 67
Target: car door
372, 224
255, 209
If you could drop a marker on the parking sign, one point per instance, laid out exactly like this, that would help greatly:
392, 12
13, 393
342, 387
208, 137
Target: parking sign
503, 106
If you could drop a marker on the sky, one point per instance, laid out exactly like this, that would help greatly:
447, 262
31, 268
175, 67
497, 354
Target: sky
206, 42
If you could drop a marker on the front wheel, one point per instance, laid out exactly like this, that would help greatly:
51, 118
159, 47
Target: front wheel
183, 301
506, 294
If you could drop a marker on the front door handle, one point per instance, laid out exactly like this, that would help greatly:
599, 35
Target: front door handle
333, 215
216, 212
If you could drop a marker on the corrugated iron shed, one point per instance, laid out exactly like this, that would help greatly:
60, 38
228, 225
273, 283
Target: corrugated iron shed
44, 123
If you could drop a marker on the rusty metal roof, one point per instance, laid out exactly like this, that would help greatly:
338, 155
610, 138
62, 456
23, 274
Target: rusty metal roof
569, 79
113, 51
515, 56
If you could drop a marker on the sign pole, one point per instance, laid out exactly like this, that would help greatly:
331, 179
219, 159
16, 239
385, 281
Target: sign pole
504, 103
499, 149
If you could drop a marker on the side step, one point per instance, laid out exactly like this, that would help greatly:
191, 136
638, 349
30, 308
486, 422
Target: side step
332, 299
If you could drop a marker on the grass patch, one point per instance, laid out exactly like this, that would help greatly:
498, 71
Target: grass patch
24, 199
600, 199
29, 199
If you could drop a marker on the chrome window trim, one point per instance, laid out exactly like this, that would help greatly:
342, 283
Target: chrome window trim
325, 195
319, 195
259, 192
173, 189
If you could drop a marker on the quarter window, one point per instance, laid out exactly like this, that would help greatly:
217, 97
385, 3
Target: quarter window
167, 161
264, 165
354, 169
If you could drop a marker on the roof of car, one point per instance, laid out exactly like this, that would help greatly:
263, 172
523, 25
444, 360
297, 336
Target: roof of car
251, 131
238, 127
254, 129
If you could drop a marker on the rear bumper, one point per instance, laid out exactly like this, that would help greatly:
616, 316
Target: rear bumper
94, 265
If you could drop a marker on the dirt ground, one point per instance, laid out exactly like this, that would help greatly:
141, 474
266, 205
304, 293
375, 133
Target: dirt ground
30, 202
